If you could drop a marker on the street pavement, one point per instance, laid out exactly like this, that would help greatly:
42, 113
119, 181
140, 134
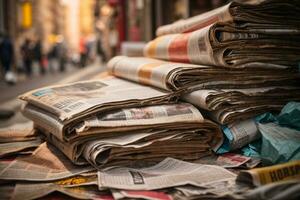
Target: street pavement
9, 93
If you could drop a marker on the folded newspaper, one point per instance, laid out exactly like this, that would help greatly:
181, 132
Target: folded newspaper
176, 76
59, 109
239, 134
227, 106
148, 133
269, 13
215, 38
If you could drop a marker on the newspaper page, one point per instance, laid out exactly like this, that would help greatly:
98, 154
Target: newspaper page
275, 173
142, 194
230, 160
45, 164
168, 173
72, 150
29, 191
217, 190
21, 147
144, 116
82, 98
17, 132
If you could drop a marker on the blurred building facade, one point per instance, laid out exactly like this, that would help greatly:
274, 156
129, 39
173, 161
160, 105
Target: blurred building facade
109, 22
50, 21
137, 20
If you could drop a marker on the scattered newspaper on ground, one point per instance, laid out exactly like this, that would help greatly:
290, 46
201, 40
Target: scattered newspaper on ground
30, 191
17, 132
140, 194
227, 189
21, 147
168, 173
45, 164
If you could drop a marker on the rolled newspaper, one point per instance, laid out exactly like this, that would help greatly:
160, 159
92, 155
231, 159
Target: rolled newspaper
275, 173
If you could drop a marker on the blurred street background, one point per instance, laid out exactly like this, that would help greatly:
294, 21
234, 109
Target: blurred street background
45, 42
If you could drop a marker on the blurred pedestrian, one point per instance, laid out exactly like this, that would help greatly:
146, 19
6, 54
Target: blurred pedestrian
82, 51
6, 58
38, 55
100, 44
100, 50
89, 51
27, 54
62, 55
52, 58
113, 41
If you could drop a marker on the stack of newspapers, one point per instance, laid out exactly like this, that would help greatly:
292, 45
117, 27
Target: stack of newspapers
234, 62
226, 94
149, 127
110, 121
